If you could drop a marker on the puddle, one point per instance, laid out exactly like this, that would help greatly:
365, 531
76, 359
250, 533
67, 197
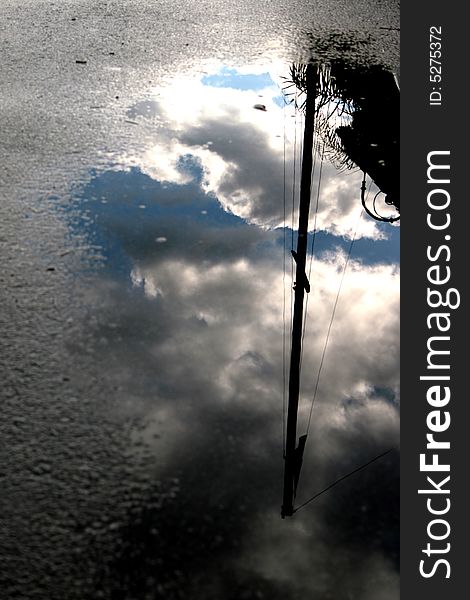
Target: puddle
180, 268
191, 310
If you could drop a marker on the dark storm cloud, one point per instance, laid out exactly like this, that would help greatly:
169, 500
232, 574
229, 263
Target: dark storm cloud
187, 326
192, 345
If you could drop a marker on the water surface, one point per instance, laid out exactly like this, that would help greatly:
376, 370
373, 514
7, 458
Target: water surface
144, 400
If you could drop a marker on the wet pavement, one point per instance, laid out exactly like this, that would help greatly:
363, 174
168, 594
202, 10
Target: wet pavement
146, 288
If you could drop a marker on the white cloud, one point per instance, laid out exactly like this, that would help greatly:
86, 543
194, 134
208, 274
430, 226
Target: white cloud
221, 358
241, 151
198, 351
241, 304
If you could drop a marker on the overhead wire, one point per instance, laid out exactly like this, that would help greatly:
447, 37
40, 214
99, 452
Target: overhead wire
294, 177
284, 269
314, 234
294, 185
316, 207
312, 175
323, 358
342, 479
330, 325
294, 182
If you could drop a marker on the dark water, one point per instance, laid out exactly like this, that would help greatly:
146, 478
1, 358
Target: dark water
145, 358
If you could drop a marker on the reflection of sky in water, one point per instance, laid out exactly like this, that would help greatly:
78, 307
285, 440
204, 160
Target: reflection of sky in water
189, 326
231, 78
136, 217
130, 210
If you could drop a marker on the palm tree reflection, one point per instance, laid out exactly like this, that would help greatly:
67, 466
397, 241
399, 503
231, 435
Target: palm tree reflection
357, 118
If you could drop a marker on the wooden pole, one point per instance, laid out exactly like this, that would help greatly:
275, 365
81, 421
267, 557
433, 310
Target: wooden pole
292, 458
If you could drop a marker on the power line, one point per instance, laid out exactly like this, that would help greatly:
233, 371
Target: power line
284, 268
331, 322
342, 479
314, 235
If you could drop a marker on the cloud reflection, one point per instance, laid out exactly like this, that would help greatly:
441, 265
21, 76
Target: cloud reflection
192, 309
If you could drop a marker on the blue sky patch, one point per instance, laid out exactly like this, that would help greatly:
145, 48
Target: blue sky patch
230, 78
